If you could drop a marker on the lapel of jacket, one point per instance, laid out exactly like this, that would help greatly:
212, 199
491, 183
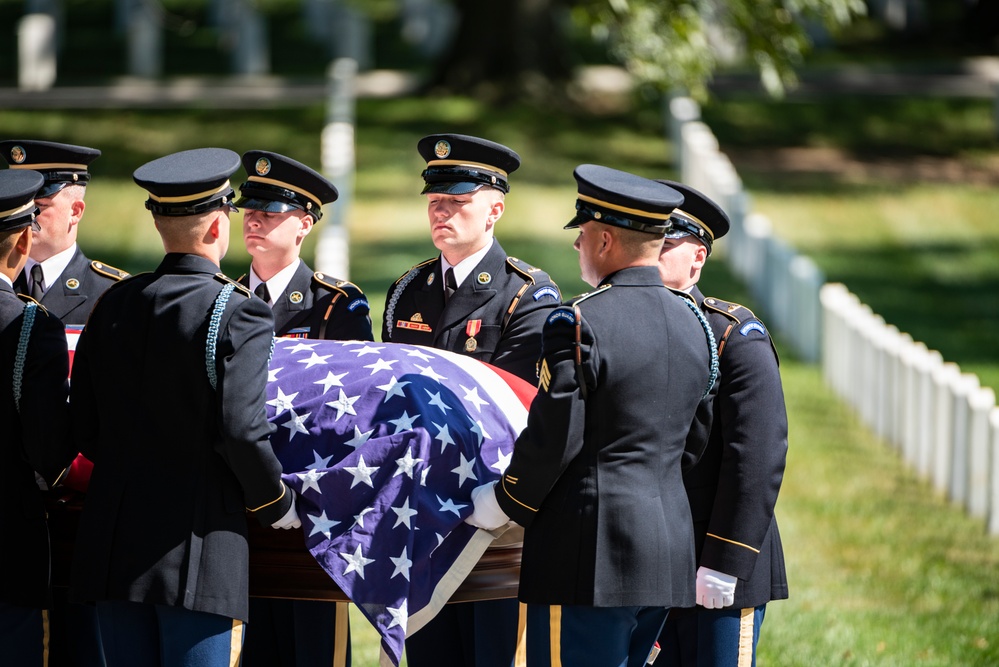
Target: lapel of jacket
68, 293
472, 294
287, 313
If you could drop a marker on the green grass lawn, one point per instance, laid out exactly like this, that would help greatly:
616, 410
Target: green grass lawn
882, 571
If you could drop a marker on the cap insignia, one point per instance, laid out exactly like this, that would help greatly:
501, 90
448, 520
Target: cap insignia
72, 283
262, 167
18, 155
295, 297
484, 278
442, 149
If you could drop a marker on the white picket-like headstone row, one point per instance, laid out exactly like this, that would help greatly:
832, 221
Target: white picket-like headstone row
940, 420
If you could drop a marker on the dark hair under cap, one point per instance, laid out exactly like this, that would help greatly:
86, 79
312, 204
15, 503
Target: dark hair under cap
621, 199
189, 182
699, 216
458, 164
17, 198
277, 183
60, 164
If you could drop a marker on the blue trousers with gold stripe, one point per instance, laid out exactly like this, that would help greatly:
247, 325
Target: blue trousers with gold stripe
711, 638
24, 636
159, 636
577, 636
297, 633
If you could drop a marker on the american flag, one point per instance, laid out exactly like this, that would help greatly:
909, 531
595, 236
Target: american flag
384, 443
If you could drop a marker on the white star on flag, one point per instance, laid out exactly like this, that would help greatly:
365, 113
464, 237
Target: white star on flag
404, 423
449, 506
331, 380
480, 431
282, 402
310, 480
419, 354
315, 360
393, 388
404, 514
502, 462
402, 565
381, 365
399, 614
320, 461
320, 524
356, 562
343, 405
296, 424
272, 374
472, 396
302, 347
359, 438
359, 518
444, 435
429, 372
406, 464
361, 473
464, 470
437, 401
368, 349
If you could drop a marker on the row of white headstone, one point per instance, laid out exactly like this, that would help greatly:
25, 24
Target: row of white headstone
940, 420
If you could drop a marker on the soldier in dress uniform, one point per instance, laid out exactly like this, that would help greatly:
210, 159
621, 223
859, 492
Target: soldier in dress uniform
596, 477
180, 445
733, 487
58, 275
34, 385
475, 300
282, 200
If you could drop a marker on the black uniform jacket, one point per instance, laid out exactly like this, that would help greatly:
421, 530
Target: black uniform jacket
176, 462
496, 314
734, 486
35, 437
80, 285
596, 477
315, 305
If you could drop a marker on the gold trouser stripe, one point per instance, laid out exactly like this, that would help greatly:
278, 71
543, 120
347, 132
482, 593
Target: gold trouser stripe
340, 624
46, 637
555, 634
520, 657
746, 623
236, 643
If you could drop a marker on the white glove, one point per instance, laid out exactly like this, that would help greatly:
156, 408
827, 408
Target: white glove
715, 589
487, 513
290, 518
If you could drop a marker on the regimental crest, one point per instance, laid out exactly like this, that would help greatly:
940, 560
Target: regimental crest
262, 167
416, 318
442, 149
73, 283
295, 297
484, 278
18, 154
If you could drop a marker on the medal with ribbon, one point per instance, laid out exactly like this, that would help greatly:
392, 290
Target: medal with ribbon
472, 327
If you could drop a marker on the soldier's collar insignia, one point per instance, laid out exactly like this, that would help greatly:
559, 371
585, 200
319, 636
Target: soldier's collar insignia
295, 297
484, 278
73, 283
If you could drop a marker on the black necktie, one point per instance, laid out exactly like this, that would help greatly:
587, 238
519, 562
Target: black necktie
37, 282
450, 285
262, 292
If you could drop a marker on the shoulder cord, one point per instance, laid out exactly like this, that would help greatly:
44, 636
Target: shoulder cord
213, 331
22, 350
711, 345
396, 293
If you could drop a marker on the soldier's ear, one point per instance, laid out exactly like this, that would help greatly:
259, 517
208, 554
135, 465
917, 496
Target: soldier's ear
23, 243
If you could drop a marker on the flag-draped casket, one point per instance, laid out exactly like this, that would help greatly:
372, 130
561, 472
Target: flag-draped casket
383, 443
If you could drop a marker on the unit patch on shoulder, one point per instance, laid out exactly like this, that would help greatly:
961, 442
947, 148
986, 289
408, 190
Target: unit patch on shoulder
749, 327
561, 315
357, 303
547, 290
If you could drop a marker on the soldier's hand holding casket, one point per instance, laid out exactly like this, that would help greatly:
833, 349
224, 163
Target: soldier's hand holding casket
487, 513
290, 518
